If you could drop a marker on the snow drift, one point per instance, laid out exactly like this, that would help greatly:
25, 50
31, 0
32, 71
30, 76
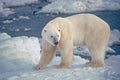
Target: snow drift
76, 6
22, 47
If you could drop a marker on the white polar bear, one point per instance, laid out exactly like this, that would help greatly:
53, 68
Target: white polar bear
80, 29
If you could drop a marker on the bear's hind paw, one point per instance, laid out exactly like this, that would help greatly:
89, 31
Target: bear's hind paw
95, 65
38, 67
61, 66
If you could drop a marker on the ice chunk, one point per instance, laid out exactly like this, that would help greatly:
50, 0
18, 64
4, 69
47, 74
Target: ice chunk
5, 11
11, 3
21, 47
114, 37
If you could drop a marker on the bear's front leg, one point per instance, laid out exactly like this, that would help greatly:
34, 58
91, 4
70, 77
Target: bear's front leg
48, 52
66, 56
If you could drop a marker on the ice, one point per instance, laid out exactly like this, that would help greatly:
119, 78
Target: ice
7, 21
5, 11
22, 47
115, 37
78, 71
4, 4
17, 30
27, 29
24, 17
11, 3
13, 78
84, 52
76, 6
15, 19
110, 50
4, 36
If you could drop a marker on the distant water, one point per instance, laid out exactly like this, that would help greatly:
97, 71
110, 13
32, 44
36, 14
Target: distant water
111, 17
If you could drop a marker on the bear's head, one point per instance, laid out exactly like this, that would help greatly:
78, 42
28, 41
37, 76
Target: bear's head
51, 33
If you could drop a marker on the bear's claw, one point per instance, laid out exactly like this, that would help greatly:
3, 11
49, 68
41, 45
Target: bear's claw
38, 67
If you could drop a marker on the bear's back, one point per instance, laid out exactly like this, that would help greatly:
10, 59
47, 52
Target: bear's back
87, 20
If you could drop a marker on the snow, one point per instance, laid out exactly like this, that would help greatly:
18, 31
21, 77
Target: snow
27, 29
115, 37
22, 47
76, 6
15, 19
5, 11
24, 17
11, 3
7, 21
19, 55
78, 71
4, 4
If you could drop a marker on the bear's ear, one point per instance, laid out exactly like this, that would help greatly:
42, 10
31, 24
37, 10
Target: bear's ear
45, 31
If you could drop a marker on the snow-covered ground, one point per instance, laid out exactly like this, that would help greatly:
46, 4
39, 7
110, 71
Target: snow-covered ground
18, 56
76, 6
5, 4
22, 70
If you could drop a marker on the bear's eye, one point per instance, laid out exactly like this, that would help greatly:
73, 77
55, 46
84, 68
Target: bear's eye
59, 30
44, 30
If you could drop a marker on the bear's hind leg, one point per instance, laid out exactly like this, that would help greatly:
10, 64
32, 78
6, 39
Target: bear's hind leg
97, 58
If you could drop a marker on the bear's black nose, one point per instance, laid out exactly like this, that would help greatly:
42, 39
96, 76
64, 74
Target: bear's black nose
56, 43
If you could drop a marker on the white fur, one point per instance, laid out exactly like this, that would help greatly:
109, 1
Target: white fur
81, 29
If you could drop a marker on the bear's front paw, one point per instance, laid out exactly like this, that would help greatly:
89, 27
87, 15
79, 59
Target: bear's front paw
61, 66
38, 67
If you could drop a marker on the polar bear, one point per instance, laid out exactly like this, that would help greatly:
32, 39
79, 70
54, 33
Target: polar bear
64, 33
